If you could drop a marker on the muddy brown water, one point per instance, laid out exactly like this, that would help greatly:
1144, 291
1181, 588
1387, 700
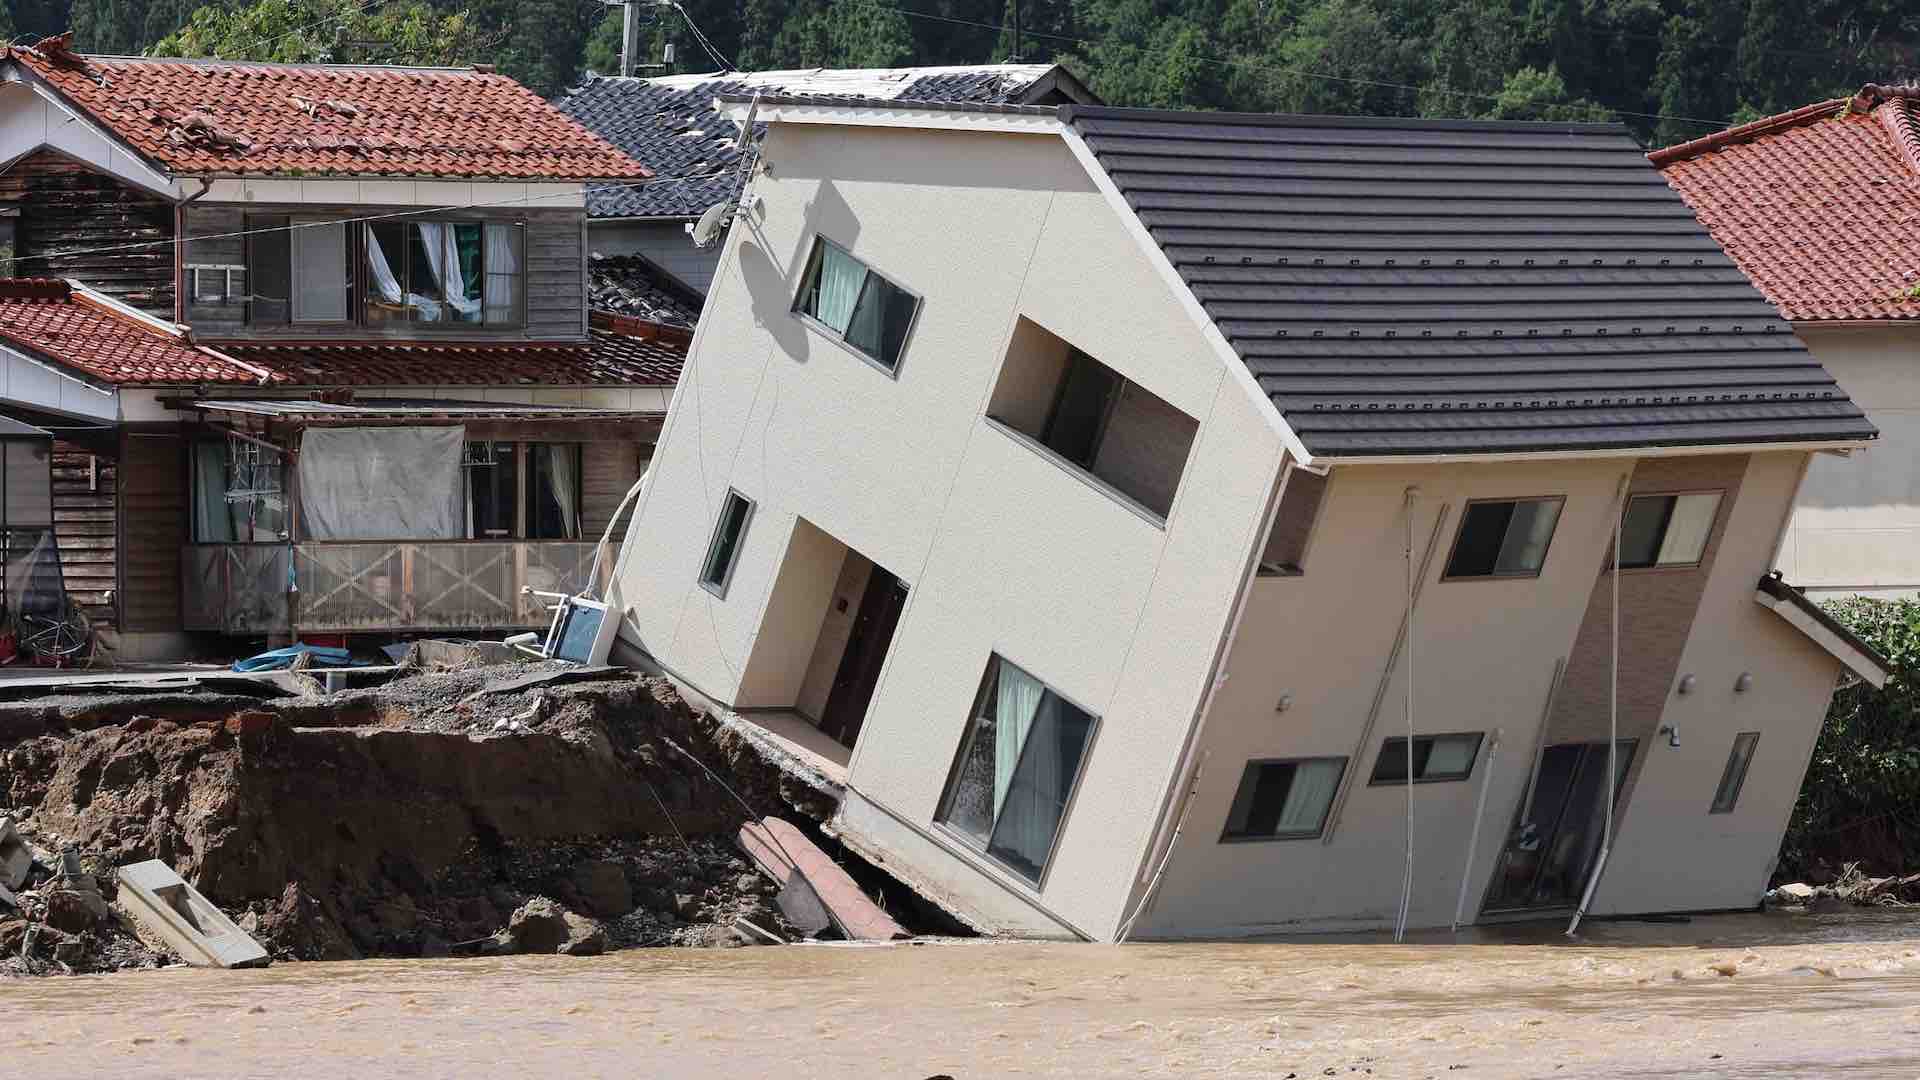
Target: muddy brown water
1807, 996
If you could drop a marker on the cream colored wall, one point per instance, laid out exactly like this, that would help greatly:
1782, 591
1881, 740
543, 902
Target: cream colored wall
1671, 854
1856, 523
1003, 549
1484, 653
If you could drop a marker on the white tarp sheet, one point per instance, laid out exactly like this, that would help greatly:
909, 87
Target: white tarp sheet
393, 483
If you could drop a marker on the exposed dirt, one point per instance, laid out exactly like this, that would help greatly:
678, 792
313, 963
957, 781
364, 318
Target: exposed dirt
414, 819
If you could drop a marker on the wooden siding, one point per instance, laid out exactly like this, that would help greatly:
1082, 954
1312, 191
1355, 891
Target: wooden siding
153, 526
607, 470
85, 510
67, 207
555, 273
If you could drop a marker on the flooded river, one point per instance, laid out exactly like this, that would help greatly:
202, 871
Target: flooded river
1739, 996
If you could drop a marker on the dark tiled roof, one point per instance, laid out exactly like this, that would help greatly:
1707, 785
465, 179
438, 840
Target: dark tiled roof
1819, 205
200, 117
633, 285
616, 356
1433, 287
89, 334
669, 124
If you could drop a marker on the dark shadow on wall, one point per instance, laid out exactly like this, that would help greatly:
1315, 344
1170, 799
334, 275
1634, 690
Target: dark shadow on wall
773, 278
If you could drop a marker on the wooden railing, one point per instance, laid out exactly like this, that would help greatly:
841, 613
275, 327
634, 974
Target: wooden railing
376, 586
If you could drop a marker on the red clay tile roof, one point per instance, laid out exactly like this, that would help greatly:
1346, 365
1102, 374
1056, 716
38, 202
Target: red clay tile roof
633, 354
219, 117
85, 332
1819, 206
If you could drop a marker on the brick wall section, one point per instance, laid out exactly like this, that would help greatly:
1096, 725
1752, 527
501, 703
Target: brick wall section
1145, 448
1657, 608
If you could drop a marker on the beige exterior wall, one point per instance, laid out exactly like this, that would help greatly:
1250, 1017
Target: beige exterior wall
1484, 658
1004, 549
1671, 854
1856, 522
836, 628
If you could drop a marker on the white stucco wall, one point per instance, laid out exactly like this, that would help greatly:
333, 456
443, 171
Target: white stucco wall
1856, 522
1483, 659
1004, 549
1671, 854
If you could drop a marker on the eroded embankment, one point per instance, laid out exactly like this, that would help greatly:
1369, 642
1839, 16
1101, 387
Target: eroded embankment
412, 819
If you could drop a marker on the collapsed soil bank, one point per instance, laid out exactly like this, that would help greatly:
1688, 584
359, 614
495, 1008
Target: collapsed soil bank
414, 818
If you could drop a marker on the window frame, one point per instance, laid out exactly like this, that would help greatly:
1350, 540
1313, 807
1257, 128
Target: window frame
1665, 524
719, 588
1265, 569
1752, 740
1460, 530
363, 239
1227, 836
982, 849
295, 218
1473, 762
815, 254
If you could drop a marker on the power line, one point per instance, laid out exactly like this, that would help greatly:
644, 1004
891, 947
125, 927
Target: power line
702, 37
1249, 62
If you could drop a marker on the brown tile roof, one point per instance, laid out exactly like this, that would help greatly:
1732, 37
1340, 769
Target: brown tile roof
219, 117
1819, 206
631, 353
88, 333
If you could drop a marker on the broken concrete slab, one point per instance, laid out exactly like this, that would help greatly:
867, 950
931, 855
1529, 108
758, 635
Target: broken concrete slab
203, 936
15, 857
783, 851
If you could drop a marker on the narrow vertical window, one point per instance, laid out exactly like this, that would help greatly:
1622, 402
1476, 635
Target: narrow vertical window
1019, 762
724, 551
505, 256
269, 270
1286, 553
319, 271
1734, 776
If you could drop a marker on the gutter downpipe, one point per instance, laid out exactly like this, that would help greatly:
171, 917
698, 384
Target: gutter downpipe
1610, 792
1173, 814
1406, 884
1479, 814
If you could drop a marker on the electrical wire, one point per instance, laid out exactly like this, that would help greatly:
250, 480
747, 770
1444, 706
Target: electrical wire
701, 37
1247, 62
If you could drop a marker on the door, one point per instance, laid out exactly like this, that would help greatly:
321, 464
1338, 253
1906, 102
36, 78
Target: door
867, 645
1556, 835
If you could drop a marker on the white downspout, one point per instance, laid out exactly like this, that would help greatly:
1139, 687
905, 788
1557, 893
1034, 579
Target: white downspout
1406, 884
1609, 789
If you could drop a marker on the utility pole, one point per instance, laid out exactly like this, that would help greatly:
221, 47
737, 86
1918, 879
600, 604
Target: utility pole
1015, 57
629, 32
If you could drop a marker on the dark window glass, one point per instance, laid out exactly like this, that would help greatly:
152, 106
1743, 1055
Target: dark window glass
1293, 525
553, 492
269, 270
718, 568
493, 482
1435, 757
1734, 777
869, 312
1641, 529
1284, 799
880, 320
1080, 412
1018, 763
1507, 538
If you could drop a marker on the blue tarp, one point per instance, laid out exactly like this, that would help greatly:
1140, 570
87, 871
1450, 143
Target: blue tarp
281, 659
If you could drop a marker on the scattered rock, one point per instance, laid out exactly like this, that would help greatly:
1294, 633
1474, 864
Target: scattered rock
1796, 893
75, 911
603, 889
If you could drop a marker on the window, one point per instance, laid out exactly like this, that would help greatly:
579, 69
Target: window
1503, 538
1019, 762
1666, 530
1293, 525
553, 492
298, 270
1735, 774
724, 551
493, 489
1284, 800
862, 308
1435, 758
1065, 403
443, 272
238, 493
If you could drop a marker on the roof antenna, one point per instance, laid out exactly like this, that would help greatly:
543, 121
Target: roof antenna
713, 223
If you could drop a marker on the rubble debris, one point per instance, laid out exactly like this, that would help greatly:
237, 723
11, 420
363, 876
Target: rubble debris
202, 934
15, 860
786, 854
543, 926
1850, 888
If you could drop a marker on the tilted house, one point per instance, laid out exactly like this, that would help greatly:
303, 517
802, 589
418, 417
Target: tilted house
668, 124
329, 328
1818, 206
1102, 489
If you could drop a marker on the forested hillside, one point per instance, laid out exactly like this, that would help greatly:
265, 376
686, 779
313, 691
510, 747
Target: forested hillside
1673, 69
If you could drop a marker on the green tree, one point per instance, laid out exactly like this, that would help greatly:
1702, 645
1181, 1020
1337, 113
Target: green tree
327, 31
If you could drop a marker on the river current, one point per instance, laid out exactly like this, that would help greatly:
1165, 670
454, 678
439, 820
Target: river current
1736, 996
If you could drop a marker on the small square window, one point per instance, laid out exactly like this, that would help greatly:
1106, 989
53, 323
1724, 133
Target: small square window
868, 312
724, 551
1286, 552
1666, 530
1435, 758
1284, 800
1504, 538
1734, 777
